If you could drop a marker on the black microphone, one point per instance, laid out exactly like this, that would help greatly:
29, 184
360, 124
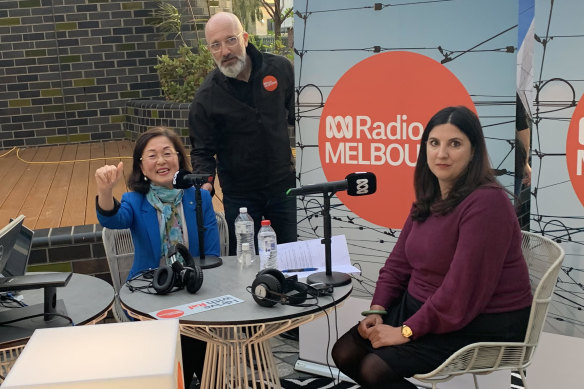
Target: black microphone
356, 184
184, 179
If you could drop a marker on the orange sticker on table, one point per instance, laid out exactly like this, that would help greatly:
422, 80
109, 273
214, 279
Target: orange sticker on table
575, 150
170, 313
373, 120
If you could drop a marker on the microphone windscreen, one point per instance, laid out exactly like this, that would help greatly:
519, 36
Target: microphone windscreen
361, 184
179, 181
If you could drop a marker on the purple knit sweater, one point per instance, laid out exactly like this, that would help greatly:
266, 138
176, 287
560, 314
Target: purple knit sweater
460, 265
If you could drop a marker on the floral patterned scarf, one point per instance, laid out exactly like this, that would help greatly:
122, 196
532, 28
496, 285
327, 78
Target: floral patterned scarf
166, 202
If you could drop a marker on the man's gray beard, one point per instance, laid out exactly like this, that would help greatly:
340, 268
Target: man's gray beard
233, 70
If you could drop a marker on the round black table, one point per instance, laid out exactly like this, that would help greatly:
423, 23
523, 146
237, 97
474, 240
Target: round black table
238, 335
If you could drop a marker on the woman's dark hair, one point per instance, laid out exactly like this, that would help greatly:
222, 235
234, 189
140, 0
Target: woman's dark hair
428, 196
136, 180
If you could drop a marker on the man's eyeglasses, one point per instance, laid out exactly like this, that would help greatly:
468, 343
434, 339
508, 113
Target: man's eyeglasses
153, 157
232, 41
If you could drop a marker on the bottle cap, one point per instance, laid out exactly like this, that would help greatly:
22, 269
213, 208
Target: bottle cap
243, 210
266, 222
245, 247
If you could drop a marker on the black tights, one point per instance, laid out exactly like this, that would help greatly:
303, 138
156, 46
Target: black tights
365, 368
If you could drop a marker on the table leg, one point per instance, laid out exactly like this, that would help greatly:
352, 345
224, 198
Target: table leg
239, 357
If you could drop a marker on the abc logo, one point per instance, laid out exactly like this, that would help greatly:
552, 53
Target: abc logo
362, 186
339, 127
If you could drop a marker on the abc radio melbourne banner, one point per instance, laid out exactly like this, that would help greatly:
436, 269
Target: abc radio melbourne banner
369, 76
557, 198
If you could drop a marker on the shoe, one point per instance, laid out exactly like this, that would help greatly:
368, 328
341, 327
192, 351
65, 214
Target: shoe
292, 334
195, 383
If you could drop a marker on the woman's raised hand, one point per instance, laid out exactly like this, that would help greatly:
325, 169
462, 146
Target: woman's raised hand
107, 177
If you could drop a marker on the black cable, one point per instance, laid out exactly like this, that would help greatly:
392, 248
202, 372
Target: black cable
328, 343
19, 302
337, 331
10, 304
37, 315
9, 296
147, 289
144, 276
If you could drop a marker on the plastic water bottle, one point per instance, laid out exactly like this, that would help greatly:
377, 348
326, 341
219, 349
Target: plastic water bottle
244, 231
267, 245
247, 257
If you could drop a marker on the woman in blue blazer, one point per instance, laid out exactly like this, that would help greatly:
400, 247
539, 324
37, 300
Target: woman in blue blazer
158, 215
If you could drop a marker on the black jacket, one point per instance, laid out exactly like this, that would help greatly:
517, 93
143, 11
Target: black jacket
251, 141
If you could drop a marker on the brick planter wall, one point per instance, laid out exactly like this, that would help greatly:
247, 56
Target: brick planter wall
143, 114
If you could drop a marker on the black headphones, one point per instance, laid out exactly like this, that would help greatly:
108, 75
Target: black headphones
166, 277
271, 287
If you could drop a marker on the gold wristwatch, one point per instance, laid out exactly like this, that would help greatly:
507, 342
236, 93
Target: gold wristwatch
406, 331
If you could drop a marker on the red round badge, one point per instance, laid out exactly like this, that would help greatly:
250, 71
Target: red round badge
270, 83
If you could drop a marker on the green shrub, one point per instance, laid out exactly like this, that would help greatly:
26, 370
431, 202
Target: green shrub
276, 47
180, 76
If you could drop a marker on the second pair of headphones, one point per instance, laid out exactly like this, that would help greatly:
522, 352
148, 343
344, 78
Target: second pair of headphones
167, 277
271, 287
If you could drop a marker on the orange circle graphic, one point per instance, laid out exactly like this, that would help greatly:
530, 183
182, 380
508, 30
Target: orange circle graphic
373, 120
575, 150
270, 83
170, 313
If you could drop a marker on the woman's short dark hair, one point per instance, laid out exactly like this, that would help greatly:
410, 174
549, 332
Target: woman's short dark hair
478, 173
136, 180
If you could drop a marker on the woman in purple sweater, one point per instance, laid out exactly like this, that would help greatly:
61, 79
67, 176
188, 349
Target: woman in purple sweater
456, 274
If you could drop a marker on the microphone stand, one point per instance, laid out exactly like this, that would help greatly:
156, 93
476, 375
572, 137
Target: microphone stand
203, 262
329, 277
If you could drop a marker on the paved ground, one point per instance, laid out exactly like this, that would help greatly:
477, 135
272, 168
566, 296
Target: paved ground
286, 353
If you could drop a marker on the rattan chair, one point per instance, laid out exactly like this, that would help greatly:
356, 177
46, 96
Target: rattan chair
544, 258
119, 250
223, 233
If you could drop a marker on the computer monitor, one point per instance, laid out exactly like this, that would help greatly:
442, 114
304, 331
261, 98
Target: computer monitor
8, 236
10, 242
18, 259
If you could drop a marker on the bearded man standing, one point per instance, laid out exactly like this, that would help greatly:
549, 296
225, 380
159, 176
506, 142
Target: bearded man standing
239, 128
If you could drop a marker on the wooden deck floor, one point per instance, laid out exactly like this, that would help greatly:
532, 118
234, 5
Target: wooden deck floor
55, 186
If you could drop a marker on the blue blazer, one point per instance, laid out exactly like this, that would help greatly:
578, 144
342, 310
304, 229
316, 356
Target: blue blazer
137, 214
